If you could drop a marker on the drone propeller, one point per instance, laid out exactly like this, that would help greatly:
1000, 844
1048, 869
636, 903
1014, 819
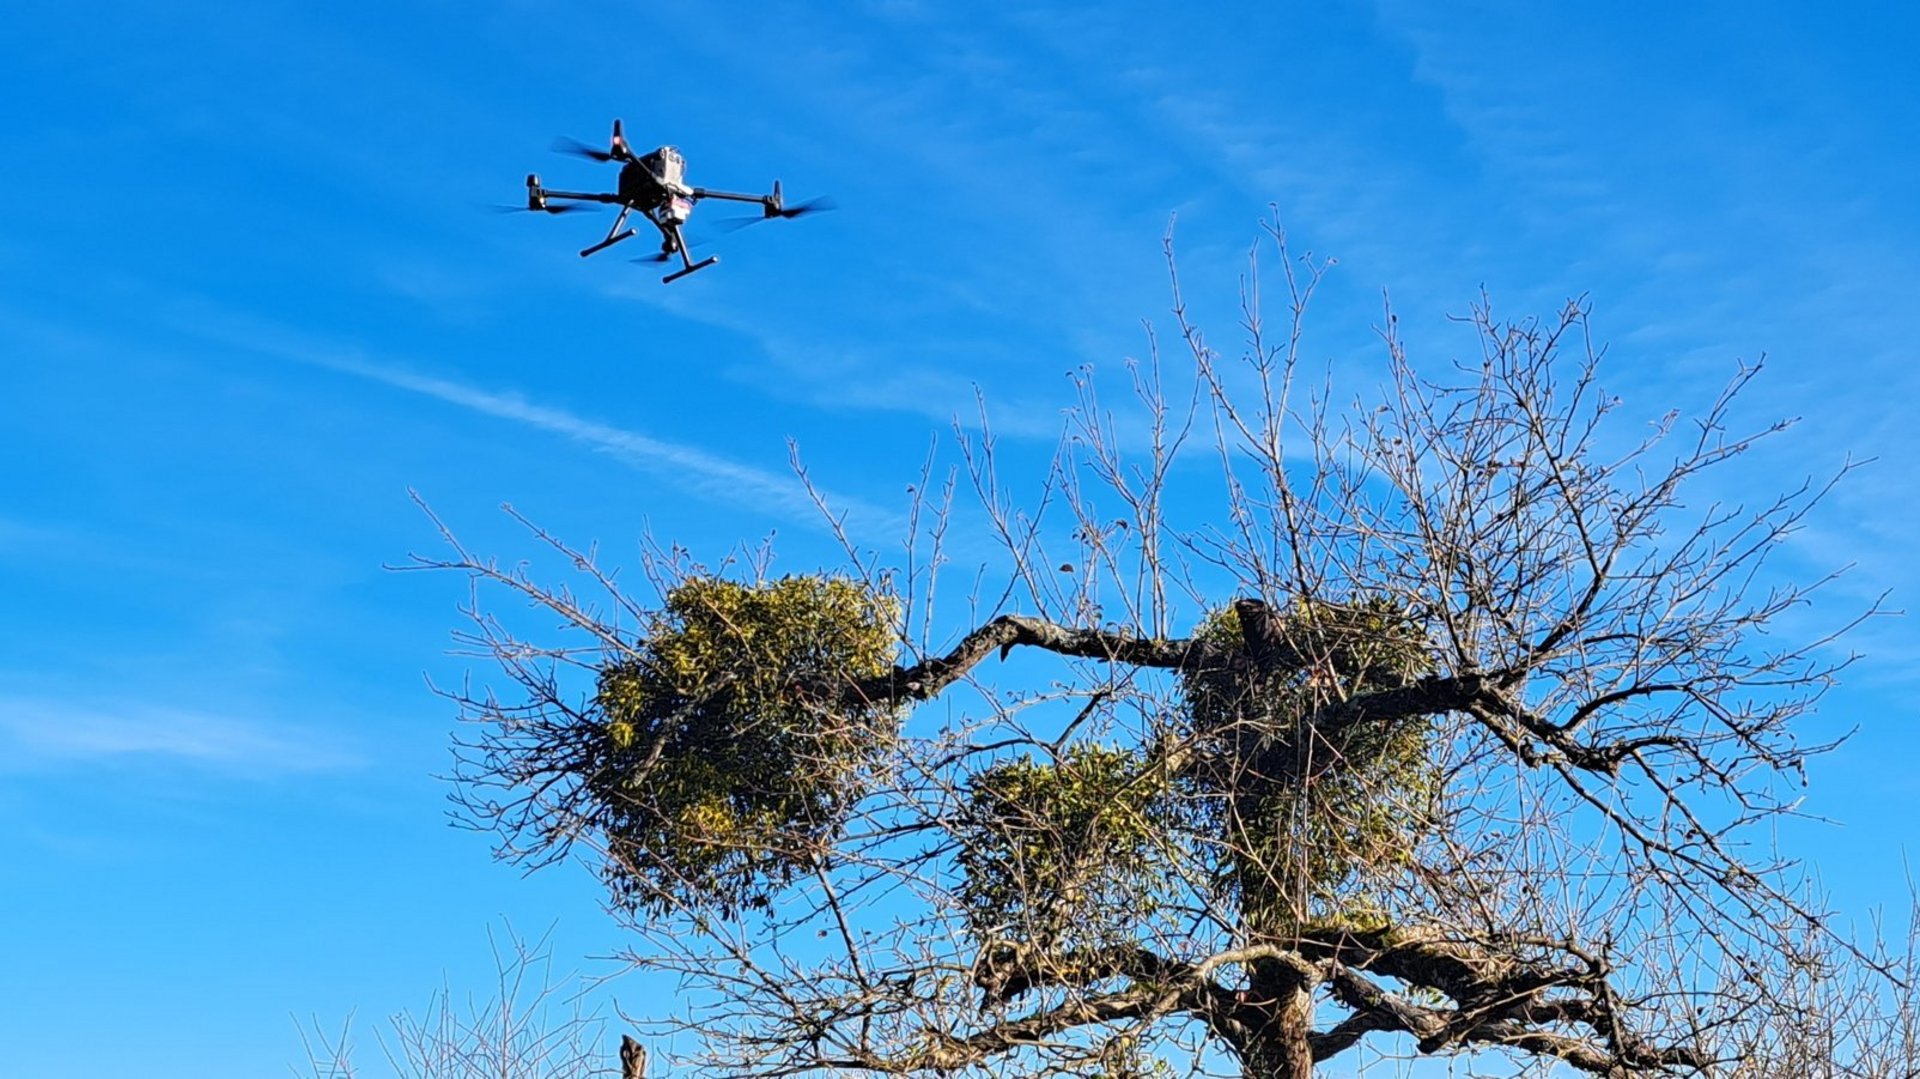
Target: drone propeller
811, 206
617, 148
564, 145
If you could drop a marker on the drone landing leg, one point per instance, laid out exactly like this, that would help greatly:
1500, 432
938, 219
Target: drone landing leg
614, 235
680, 244
691, 267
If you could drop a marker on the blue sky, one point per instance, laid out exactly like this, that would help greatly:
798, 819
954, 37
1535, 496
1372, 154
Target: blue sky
253, 295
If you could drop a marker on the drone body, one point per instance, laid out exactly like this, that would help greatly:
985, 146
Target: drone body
654, 186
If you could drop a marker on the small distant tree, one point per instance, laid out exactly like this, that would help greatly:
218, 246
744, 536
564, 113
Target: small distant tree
528, 1026
1450, 722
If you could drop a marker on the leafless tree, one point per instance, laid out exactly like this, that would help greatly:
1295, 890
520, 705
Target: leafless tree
1446, 720
529, 1026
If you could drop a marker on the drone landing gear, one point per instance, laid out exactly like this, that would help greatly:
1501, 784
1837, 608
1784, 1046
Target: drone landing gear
614, 235
690, 268
606, 243
676, 241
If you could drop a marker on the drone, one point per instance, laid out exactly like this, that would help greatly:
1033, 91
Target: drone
654, 186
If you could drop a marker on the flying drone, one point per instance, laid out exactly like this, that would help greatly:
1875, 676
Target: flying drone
654, 186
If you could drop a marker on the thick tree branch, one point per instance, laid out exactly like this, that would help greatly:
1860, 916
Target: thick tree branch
924, 680
943, 1052
1499, 995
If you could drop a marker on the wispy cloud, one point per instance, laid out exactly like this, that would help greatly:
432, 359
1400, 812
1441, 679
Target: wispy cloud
20, 535
48, 733
706, 474
1713, 230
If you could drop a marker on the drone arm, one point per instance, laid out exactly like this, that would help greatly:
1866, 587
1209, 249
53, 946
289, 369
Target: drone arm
772, 205
731, 196
579, 196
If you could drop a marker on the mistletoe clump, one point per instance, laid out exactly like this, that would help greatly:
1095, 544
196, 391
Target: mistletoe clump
1059, 848
727, 746
1310, 812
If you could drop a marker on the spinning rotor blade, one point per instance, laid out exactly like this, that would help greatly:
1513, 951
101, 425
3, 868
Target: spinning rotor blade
811, 206
564, 145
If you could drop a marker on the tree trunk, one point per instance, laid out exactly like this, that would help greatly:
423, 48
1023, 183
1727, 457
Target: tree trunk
1279, 1047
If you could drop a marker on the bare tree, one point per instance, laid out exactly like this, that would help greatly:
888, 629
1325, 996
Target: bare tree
528, 1026
1445, 723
